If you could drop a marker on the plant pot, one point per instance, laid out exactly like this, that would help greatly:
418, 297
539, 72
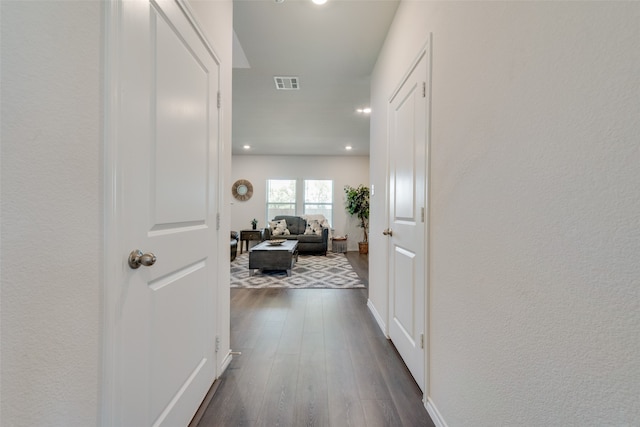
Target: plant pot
363, 247
253, 226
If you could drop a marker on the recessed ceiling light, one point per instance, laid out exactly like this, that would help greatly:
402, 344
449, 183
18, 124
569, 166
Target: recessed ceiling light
366, 110
246, 147
348, 147
319, 1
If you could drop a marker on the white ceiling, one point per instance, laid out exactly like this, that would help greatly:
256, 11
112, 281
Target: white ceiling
331, 48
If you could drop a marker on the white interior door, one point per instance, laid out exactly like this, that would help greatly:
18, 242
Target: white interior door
166, 130
407, 218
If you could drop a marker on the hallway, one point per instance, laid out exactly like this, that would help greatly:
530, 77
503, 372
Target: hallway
311, 357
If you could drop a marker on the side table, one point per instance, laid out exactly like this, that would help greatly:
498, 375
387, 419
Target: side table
339, 244
247, 235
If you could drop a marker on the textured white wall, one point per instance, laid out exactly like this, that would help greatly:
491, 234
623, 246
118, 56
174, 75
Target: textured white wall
51, 213
535, 279
348, 170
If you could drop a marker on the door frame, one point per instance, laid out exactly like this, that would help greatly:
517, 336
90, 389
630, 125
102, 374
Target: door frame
112, 212
425, 51
113, 202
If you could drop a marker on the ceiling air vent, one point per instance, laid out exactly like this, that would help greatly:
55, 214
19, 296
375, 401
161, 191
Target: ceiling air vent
287, 83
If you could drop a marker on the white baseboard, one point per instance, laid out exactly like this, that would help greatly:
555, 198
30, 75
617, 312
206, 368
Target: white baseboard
435, 414
225, 363
378, 318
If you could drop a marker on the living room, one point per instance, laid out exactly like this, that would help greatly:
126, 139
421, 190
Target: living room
341, 170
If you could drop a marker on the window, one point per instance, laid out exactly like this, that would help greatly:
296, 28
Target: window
281, 197
318, 198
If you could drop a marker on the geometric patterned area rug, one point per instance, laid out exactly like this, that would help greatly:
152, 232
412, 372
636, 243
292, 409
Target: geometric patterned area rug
332, 271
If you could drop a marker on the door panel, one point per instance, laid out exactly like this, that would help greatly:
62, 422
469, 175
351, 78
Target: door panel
407, 204
181, 105
405, 280
177, 305
167, 149
404, 157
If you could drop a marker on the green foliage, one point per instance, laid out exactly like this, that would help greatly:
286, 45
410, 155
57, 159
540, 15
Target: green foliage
318, 191
281, 190
358, 205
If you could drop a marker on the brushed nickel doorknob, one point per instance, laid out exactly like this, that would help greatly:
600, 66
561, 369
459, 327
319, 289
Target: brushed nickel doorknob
137, 258
388, 232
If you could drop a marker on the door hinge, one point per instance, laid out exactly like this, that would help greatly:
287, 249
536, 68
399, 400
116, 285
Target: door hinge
424, 89
421, 340
422, 213
219, 100
217, 343
218, 221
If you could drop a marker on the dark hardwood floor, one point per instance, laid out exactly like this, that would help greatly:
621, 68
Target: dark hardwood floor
360, 263
312, 357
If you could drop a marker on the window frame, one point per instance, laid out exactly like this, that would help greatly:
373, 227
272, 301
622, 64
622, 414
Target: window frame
305, 203
299, 205
269, 204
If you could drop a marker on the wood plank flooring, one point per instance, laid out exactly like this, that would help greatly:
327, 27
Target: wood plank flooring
312, 357
360, 263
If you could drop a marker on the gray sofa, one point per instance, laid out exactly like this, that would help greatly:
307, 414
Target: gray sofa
307, 243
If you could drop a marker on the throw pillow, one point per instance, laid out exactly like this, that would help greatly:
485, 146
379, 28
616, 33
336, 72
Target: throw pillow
279, 228
313, 227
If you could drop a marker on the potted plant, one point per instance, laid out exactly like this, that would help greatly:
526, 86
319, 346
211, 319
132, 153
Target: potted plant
254, 223
358, 205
